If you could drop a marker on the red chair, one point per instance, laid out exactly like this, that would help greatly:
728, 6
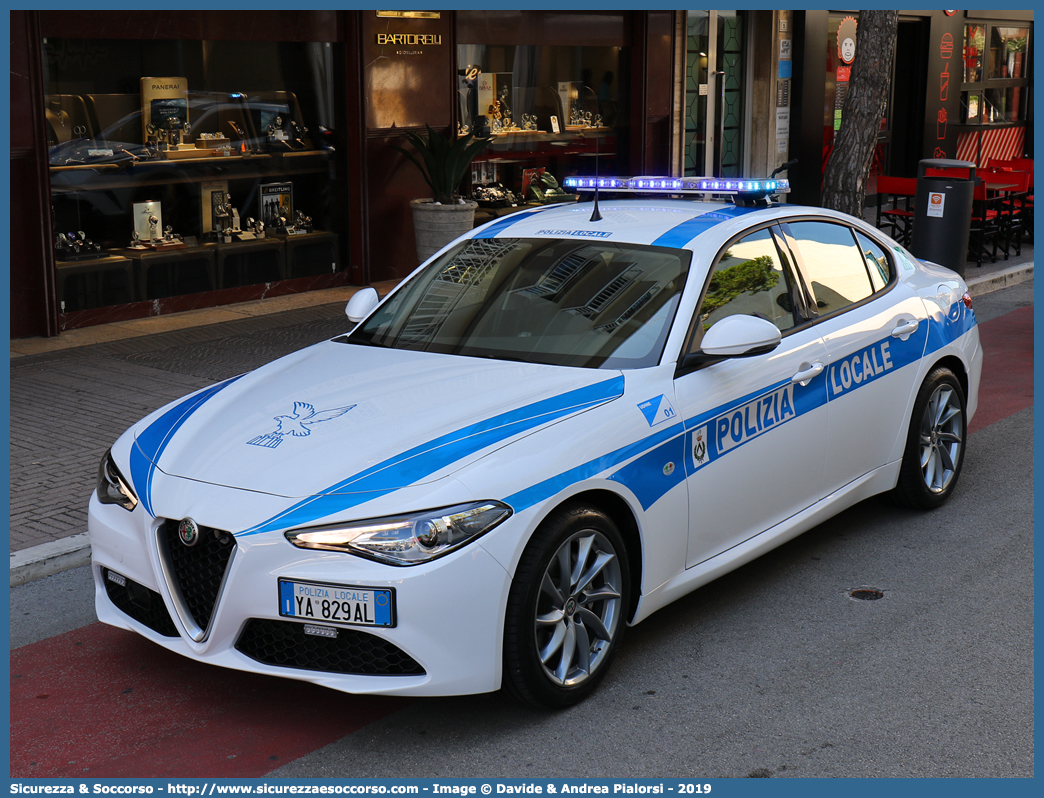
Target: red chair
1013, 164
899, 194
1014, 209
1025, 204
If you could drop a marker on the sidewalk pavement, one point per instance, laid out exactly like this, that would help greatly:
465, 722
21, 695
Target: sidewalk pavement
73, 395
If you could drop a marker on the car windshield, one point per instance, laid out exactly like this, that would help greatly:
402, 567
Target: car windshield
556, 301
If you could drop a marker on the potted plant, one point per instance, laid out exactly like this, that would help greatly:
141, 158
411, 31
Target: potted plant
444, 216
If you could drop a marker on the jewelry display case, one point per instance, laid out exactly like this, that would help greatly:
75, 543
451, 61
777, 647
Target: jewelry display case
552, 112
165, 175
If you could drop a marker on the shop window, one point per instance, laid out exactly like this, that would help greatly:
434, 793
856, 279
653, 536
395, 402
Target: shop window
974, 45
1002, 105
1007, 52
553, 111
971, 107
184, 167
996, 76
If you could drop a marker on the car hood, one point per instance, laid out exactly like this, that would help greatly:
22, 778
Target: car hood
341, 418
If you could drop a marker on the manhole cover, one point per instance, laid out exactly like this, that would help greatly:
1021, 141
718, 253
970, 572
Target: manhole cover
866, 594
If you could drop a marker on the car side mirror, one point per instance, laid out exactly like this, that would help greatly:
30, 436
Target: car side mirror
362, 302
733, 336
741, 336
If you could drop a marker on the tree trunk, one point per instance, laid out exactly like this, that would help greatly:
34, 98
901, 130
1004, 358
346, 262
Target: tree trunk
844, 181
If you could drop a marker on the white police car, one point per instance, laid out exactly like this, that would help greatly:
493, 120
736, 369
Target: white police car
548, 432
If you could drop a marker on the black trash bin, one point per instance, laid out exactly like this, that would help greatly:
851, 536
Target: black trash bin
942, 214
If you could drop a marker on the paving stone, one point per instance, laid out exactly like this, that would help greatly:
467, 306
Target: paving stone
67, 407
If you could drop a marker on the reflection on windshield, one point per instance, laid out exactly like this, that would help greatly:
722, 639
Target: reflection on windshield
561, 302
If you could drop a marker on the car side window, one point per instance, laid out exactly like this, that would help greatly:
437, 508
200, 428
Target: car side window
834, 264
749, 278
877, 262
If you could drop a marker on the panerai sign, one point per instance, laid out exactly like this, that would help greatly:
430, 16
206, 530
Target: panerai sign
409, 38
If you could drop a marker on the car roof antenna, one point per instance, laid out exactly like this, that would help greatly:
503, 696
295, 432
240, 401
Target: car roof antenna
595, 215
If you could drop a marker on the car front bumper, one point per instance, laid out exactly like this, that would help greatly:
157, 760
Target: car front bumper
448, 612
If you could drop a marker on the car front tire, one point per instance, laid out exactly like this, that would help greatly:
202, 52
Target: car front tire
934, 450
566, 608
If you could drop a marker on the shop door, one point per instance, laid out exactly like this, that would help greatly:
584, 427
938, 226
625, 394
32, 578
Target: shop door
909, 96
715, 93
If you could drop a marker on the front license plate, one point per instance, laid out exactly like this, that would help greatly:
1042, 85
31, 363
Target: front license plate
344, 604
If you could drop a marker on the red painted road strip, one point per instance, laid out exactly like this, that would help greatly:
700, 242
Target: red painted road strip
1007, 367
102, 702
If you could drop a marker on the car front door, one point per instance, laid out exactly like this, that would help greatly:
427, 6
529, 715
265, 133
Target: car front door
755, 426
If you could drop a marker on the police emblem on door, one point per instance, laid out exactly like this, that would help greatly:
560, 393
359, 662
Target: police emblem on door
699, 447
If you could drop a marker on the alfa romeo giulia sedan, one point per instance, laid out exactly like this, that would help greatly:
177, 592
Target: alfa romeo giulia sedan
545, 434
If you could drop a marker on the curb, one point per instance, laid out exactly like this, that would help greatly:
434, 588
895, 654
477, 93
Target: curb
977, 286
49, 558
55, 556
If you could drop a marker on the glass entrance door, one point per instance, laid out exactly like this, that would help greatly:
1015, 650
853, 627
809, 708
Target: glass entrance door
715, 93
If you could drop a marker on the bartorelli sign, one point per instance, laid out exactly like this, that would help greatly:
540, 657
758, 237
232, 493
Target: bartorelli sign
409, 38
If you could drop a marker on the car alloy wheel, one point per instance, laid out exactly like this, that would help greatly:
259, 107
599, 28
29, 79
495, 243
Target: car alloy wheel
942, 436
579, 608
934, 450
566, 608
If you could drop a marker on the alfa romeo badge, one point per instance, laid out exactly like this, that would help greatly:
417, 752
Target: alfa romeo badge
188, 532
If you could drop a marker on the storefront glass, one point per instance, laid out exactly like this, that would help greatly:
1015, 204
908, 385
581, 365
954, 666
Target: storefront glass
715, 93
1002, 105
553, 111
183, 167
697, 90
1007, 52
996, 80
974, 45
553, 90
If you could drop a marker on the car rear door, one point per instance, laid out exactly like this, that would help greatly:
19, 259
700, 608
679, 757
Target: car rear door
756, 427
874, 328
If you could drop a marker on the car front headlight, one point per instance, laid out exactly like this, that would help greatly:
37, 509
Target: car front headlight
112, 488
406, 539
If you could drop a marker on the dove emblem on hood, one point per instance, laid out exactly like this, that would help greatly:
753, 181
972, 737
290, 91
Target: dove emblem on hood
299, 425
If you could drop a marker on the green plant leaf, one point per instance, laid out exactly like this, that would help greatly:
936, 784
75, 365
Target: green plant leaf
443, 161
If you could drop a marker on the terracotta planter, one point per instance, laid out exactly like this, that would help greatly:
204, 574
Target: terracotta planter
436, 225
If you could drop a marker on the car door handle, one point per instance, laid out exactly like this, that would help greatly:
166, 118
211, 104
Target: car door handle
807, 373
906, 329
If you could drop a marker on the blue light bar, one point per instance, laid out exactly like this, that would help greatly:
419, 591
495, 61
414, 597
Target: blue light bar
679, 185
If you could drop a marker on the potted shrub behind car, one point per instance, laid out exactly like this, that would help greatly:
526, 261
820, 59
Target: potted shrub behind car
443, 162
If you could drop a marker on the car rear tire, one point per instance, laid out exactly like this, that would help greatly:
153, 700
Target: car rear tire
566, 608
934, 450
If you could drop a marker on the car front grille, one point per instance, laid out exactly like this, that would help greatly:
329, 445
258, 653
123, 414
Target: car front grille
285, 643
143, 605
198, 571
